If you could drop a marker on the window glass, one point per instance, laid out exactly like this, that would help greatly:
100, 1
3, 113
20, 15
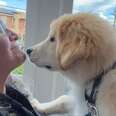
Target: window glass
104, 8
13, 14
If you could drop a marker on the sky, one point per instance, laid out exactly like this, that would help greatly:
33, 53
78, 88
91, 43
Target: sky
19, 4
90, 5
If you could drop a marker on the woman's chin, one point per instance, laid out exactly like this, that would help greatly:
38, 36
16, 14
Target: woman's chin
17, 61
20, 57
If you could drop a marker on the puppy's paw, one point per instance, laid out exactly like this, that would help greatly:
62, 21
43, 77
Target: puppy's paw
37, 105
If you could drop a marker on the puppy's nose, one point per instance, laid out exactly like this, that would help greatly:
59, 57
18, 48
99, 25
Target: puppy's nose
29, 51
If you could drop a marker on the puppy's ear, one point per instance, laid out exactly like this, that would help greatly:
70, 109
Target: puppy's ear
75, 43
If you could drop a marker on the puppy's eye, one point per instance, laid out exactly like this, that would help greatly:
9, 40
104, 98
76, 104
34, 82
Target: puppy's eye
52, 39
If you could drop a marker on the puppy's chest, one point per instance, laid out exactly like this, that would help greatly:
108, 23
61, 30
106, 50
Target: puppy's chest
106, 95
90, 97
106, 98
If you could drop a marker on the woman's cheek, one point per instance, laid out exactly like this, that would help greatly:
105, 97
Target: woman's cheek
5, 44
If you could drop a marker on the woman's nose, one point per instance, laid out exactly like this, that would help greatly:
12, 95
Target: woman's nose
12, 35
29, 51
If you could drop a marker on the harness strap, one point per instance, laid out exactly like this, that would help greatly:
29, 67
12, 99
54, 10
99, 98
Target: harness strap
91, 99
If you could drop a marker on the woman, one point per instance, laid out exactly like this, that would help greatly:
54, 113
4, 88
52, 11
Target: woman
12, 102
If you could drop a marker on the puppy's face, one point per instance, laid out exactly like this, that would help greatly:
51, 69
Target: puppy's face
44, 53
67, 43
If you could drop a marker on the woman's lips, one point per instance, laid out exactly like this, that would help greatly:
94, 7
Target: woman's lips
18, 52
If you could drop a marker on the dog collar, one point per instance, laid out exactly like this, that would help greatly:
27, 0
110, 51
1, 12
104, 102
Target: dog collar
91, 99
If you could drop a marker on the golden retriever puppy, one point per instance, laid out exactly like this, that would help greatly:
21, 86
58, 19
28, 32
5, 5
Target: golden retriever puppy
83, 48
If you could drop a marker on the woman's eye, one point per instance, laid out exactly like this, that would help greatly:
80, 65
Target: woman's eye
52, 39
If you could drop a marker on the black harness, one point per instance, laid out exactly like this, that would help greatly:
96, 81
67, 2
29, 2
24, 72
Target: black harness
91, 99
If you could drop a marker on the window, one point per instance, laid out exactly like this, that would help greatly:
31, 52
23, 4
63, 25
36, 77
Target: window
13, 14
104, 8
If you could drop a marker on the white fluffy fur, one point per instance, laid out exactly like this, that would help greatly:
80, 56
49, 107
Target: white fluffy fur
84, 46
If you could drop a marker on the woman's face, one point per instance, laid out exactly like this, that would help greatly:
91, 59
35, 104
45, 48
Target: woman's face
10, 54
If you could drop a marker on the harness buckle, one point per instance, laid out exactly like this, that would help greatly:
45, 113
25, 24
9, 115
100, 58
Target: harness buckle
92, 109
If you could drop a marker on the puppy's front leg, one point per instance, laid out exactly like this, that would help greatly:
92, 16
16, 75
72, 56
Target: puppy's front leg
63, 104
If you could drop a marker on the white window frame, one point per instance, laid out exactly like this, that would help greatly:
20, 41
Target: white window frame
44, 85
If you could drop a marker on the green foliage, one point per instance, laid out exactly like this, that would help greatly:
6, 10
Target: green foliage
19, 70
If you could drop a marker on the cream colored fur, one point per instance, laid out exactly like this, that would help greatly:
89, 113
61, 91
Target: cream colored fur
84, 46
